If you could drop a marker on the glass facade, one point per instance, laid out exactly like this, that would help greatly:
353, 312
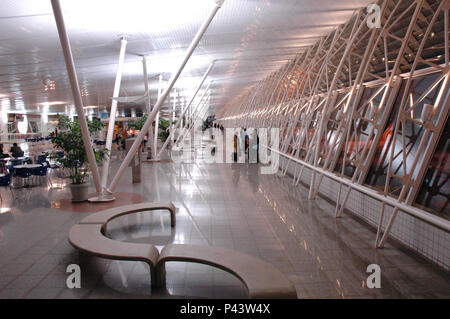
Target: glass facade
434, 194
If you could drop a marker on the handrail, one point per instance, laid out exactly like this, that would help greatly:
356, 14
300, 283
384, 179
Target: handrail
416, 212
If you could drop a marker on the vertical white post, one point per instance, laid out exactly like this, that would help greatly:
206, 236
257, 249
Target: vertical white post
147, 101
184, 132
112, 113
65, 44
185, 109
44, 121
155, 142
161, 100
172, 126
4, 119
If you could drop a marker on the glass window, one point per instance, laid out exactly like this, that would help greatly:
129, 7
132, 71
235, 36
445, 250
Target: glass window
407, 140
360, 132
434, 193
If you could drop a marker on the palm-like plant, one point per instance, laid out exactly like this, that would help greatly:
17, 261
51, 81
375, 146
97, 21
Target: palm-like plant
70, 141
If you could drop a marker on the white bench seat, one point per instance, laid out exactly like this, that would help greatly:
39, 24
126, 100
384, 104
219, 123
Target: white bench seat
104, 216
261, 279
90, 239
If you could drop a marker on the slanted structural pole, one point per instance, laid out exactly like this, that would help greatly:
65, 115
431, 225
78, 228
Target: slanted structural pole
112, 113
70, 66
159, 103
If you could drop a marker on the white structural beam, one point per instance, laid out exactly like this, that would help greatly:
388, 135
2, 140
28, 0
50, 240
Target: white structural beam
180, 120
411, 210
155, 142
147, 98
68, 58
159, 103
172, 125
184, 132
112, 113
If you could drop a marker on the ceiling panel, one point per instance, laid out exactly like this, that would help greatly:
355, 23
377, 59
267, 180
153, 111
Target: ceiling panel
249, 39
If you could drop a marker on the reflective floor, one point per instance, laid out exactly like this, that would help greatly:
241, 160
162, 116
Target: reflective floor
226, 205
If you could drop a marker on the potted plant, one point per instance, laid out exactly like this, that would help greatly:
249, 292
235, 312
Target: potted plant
163, 126
74, 159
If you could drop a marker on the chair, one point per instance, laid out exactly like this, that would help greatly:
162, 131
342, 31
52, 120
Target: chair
41, 172
16, 162
13, 163
23, 173
54, 167
42, 159
5, 181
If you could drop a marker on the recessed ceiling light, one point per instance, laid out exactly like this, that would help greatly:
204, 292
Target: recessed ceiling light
53, 103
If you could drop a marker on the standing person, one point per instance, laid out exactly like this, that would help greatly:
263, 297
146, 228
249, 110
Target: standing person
236, 147
2, 154
253, 148
145, 140
118, 139
257, 147
243, 139
16, 151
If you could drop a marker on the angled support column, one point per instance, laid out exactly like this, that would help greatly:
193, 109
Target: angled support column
159, 103
186, 108
155, 135
112, 113
184, 132
68, 58
147, 99
172, 126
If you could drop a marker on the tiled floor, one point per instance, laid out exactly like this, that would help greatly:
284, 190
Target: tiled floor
226, 205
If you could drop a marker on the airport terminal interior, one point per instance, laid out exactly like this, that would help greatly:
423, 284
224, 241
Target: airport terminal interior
176, 149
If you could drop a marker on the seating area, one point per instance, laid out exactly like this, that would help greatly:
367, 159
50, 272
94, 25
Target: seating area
224, 149
261, 279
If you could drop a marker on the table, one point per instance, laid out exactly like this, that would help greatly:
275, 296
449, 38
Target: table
6, 159
25, 166
28, 166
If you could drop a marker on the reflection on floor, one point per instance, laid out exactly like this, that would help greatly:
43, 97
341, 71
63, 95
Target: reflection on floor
226, 205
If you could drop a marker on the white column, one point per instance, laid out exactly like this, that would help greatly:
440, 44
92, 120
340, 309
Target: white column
184, 132
186, 109
44, 121
155, 136
147, 100
4, 119
65, 44
172, 126
112, 113
161, 100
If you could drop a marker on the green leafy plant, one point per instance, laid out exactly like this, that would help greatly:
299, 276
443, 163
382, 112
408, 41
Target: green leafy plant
163, 126
164, 133
139, 123
70, 141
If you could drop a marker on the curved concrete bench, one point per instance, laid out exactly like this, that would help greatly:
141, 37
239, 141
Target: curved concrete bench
261, 279
89, 238
104, 216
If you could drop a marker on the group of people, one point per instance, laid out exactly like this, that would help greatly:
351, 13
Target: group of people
246, 144
15, 151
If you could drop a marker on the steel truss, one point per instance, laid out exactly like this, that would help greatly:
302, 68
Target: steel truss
335, 101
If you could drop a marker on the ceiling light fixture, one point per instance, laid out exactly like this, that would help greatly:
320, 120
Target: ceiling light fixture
53, 103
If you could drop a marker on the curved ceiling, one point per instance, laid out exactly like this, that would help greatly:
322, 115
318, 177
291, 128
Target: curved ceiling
249, 39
